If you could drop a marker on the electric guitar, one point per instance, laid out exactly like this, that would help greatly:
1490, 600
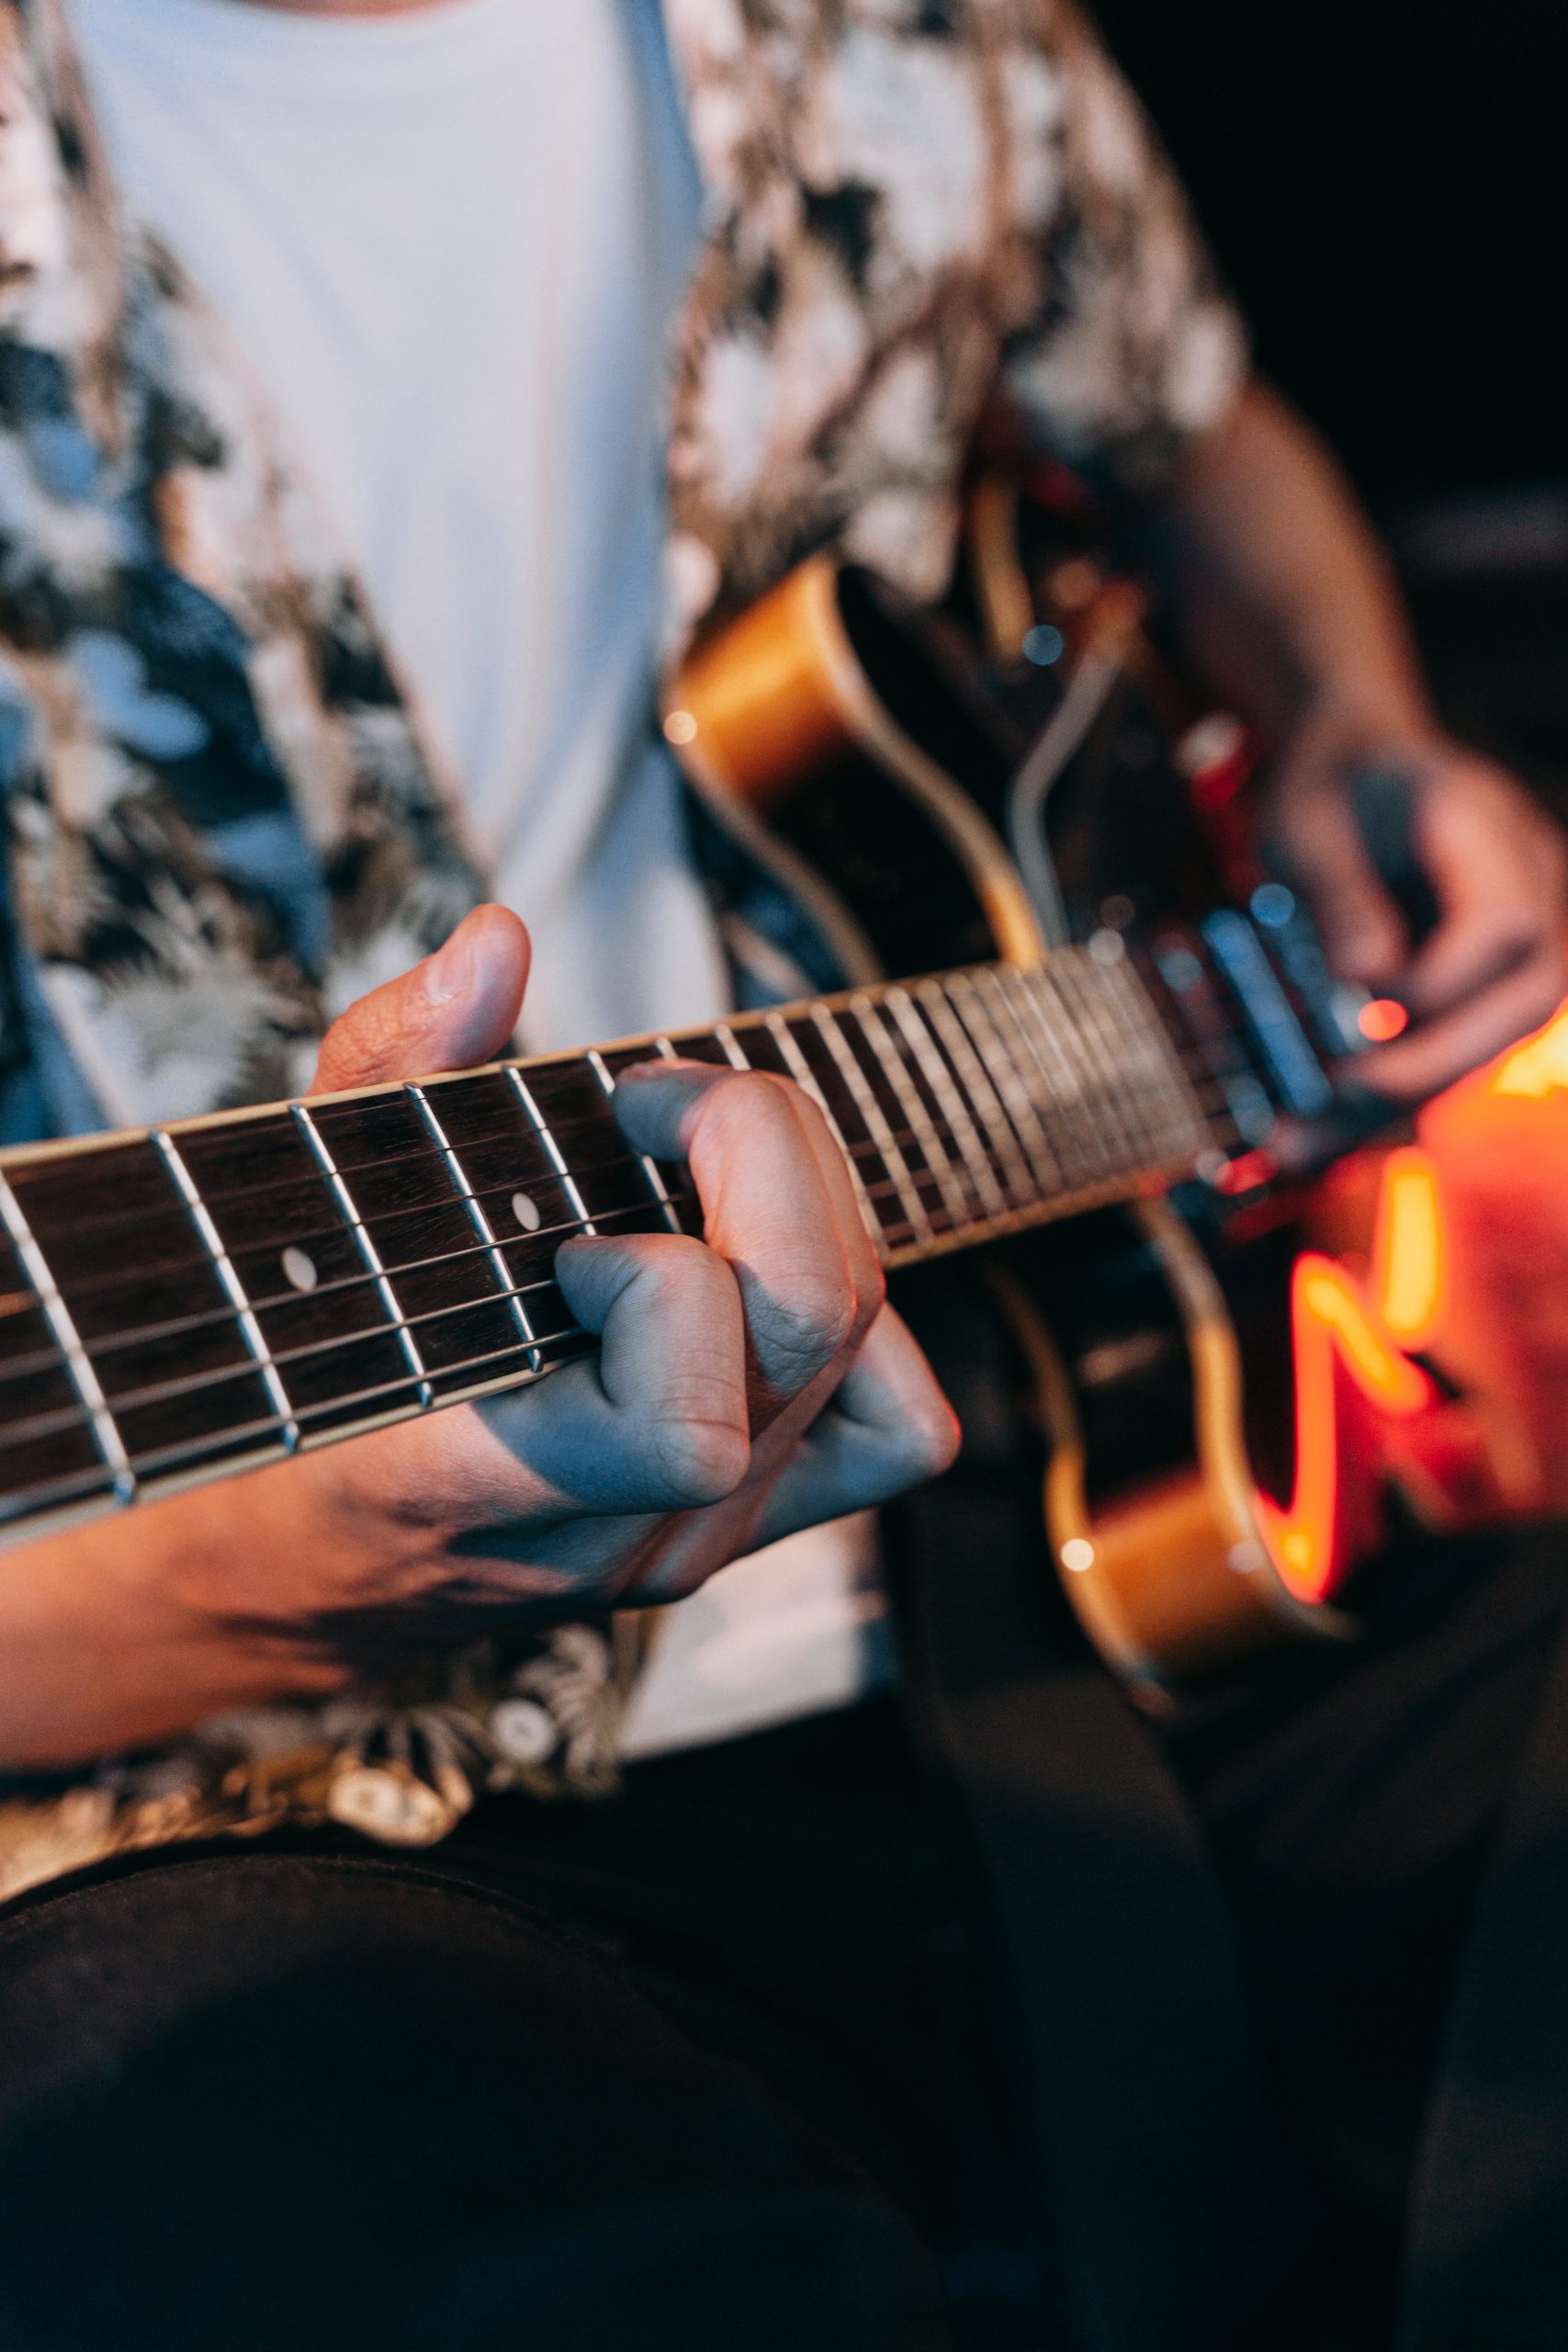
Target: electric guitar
1233, 1368
1090, 1075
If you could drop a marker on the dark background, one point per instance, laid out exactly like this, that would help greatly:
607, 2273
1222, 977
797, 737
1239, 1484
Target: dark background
1385, 183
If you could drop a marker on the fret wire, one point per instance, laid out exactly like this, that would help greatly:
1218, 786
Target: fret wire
1049, 1026
953, 1036
650, 1170
732, 1049
135, 1335
1100, 1115
1183, 1115
951, 1175
115, 1278
870, 1109
663, 1046
1003, 1073
193, 1384
205, 1381
170, 1327
922, 1129
1127, 1016
943, 1168
79, 1371
476, 1215
152, 1461
250, 1330
1053, 1114
1114, 1105
938, 1077
169, 1460
1061, 1085
391, 1305
55, 1494
778, 1030
199, 1383
536, 1119
936, 1167
1117, 1078
361, 1397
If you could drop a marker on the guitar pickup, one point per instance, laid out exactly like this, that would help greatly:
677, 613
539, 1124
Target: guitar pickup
1299, 1080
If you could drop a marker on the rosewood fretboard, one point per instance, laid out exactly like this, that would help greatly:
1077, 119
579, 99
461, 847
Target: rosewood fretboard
210, 1295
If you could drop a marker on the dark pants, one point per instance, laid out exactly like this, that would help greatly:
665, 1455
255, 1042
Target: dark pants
726, 2061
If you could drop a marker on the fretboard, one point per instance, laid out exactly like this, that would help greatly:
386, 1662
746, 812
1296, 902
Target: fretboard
210, 1296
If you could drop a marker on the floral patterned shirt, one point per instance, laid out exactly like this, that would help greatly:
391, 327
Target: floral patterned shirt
221, 825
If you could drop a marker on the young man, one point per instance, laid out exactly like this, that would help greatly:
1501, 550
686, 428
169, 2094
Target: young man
547, 336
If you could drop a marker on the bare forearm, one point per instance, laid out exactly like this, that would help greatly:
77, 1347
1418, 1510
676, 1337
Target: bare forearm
1286, 603
117, 1636
1292, 617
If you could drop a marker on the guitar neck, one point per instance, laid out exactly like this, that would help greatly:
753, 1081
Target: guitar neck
208, 1297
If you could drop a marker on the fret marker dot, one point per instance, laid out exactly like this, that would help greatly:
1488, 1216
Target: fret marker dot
298, 1270
527, 1211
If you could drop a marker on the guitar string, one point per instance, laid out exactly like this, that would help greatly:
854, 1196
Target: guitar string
739, 1023
189, 1384
937, 1219
191, 1450
938, 1222
1151, 1037
894, 1236
193, 1384
182, 1456
869, 1150
172, 1269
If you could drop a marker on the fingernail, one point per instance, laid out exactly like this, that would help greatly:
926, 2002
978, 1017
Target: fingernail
451, 970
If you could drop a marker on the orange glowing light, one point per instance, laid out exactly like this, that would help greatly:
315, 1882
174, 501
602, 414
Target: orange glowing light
1329, 1323
1410, 1252
1538, 1066
1381, 1019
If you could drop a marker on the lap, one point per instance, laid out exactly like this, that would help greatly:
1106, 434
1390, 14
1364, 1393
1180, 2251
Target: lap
1353, 1798
257, 2098
606, 2068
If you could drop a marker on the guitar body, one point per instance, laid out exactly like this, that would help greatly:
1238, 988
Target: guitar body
1232, 1430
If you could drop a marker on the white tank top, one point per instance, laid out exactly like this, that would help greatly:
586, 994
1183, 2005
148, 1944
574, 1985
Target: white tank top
452, 242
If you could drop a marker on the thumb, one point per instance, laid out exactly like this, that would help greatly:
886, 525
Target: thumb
1321, 850
459, 1007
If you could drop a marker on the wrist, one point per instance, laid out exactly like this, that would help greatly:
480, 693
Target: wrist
1336, 736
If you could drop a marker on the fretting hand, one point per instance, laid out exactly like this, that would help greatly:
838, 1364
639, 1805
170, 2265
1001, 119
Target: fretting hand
746, 1386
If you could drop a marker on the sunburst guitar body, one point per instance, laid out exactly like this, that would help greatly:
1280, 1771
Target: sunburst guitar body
1237, 1381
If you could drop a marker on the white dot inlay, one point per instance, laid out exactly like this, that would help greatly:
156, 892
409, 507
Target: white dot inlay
1077, 1554
298, 1270
527, 1211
